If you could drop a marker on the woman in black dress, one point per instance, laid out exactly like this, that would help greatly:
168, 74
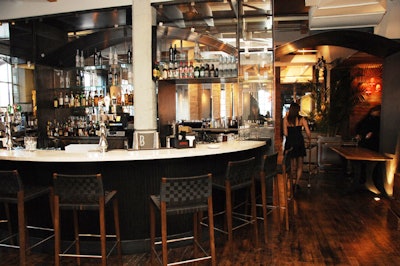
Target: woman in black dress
293, 125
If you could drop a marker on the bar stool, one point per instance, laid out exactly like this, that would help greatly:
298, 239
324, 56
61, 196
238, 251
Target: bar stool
84, 193
239, 175
284, 169
12, 191
268, 172
182, 195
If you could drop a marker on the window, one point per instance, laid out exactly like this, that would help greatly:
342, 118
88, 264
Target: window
6, 96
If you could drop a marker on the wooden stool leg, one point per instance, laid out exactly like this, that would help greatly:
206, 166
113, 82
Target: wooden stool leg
8, 217
117, 229
254, 211
285, 193
152, 232
195, 234
228, 196
21, 229
211, 231
164, 233
276, 197
102, 232
76, 234
264, 205
56, 223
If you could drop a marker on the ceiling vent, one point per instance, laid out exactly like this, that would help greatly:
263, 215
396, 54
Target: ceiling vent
339, 14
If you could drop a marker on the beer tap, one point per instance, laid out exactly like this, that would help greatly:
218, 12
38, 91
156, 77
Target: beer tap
9, 141
103, 144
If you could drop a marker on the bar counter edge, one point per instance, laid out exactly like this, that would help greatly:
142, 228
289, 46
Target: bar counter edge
134, 174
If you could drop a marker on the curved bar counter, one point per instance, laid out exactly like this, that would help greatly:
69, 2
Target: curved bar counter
134, 174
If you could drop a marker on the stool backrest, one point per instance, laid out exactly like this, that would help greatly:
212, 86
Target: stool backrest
240, 172
78, 188
269, 164
181, 192
10, 183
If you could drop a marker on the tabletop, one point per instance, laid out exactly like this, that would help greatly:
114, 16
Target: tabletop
360, 154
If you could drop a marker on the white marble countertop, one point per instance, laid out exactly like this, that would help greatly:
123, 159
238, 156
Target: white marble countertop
127, 155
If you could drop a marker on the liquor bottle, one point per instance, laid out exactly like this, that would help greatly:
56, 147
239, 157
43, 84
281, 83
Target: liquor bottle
202, 71
83, 99
55, 101
78, 78
77, 59
222, 67
101, 97
66, 100
175, 54
95, 58
126, 98
191, 70
62, 84
77, 100
67, 80
82, 59
110, 57
116, 78
207, 71
119, 99
110, 77
129, 56
89, 101
82, 74
96, 99
212, 71
130, 96
171, 53
181, 71
165, 71
115, 58
60, 100
71, 100
234, 67
99, 59
176, 70
185, 71
196, 71
171, 70
156, 71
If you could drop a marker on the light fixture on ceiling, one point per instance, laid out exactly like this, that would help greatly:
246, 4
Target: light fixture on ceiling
306, 51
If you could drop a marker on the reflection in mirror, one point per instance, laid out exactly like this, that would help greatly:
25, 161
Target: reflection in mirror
182, 103
257, 101
206, 109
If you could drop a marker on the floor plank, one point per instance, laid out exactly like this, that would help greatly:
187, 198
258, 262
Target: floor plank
327, 227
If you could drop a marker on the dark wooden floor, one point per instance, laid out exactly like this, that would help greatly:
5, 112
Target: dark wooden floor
329, 227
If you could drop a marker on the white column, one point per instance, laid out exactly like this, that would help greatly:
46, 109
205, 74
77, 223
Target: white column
143, 85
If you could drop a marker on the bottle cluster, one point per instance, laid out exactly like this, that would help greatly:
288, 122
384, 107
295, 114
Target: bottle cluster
223, 68
74, 126
99, 60
94, 98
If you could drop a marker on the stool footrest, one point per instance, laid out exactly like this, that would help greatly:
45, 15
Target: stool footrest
65, 254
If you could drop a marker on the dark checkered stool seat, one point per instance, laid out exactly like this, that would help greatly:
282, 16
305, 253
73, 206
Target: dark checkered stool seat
13, 191
268, 173
239, 175
179, 196
84, 193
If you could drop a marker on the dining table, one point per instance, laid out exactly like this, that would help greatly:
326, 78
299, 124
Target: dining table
359, 156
